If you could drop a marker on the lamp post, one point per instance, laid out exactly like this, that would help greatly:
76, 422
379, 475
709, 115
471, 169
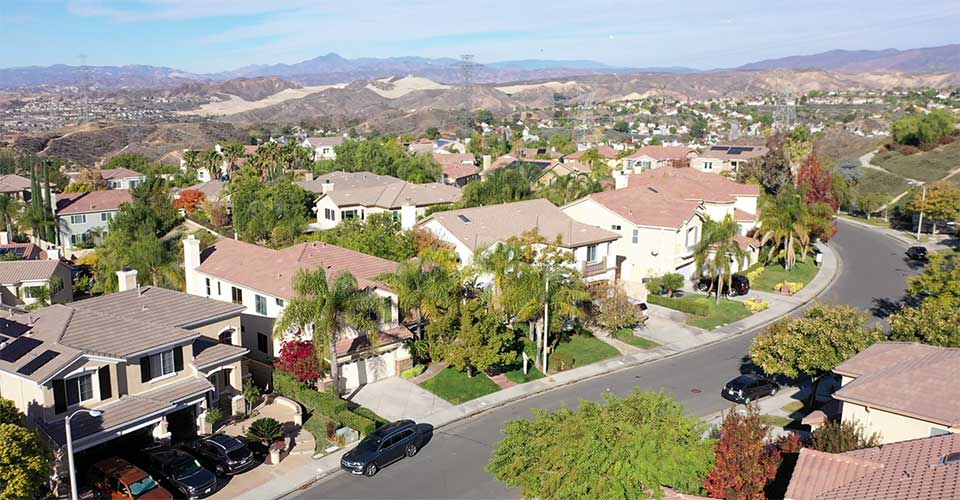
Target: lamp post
73, 474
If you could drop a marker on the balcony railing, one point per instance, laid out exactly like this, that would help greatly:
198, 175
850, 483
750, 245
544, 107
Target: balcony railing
593, 268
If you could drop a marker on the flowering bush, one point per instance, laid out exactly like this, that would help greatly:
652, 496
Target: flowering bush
298, 357
753, 275
788, 287
756, 304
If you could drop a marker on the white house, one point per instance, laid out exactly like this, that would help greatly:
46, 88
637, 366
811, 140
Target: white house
323, 147
81, 215
650, 157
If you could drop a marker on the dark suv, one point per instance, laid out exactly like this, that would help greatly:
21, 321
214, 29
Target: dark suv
741, 285
383, 447
747, 388
225, 455
180, 470
917, 253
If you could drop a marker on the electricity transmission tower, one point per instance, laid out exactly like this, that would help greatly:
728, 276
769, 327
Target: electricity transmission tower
784, 111
467, 69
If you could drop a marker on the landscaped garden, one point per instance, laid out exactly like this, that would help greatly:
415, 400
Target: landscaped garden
458, 387
626, 335
580, 350
516, 375
703, 311
774, 273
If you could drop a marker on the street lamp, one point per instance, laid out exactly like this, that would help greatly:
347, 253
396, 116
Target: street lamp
73, 474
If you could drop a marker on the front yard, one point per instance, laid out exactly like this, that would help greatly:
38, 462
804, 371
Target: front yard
773, 274
580, 350
456, 387
703, 311
626, 335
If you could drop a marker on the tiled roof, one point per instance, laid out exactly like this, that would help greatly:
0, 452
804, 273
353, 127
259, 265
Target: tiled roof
13, 183
741, 216
161, 306
272, 271
692, 184
115, 335
119, 173
660, 153
882, 355
325, 141
26, 251
574, 167
96, 201
604, 150
372, 190
481, 227
348, 180
907, 470
212, 190
460, 170
13, 272
746, 242
645, 207
392, 336
722, 152
922, 386
208, 352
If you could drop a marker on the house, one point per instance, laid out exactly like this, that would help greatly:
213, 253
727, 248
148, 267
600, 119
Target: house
15, 186
562, 170
902, 390
261, 280
348, 195
650, 157
608, 153
23, 251
920, 469
659, 215
725, 158
20, 280
458, 168
144, 357
212, 190
323, 147
81, 215
472, 230
122, 178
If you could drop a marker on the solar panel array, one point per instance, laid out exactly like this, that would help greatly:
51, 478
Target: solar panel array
38, 362
18, 349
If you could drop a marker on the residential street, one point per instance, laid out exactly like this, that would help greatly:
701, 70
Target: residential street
452, 464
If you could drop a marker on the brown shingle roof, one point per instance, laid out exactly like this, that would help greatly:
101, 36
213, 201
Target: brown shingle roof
96, 201
493, 223
882, 355
645, 207
394, 196
907, 470
26, 251
113, 335
14, 272
208, 352
161, 306
272, 271
118, 173
922, 386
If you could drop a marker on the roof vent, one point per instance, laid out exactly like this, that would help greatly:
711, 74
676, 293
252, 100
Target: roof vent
652, 189
464, 219
951, 458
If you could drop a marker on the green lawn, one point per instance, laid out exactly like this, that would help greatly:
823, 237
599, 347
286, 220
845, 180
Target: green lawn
803, 271
793, 406
776, 420
516, 374
727, 311
456, 387
626, 335
930, 166
584, 350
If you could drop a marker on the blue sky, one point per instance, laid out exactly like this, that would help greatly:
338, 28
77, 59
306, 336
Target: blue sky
214, 35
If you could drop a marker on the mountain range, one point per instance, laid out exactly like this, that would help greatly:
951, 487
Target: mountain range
332, 68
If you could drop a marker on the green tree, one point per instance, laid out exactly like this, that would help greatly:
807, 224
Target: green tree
9, 414
870, 202
260, 207
25, 464
326, 309
919, 129
424, 287
232, 153
483, 341
940, 278
772, 171
621, 126
699, 128
265, 430
785, 225
843, 436
501, 186
9, 211
940, 203
814, 344
717, 250
936, 321
379, 234
564, 189
626, 448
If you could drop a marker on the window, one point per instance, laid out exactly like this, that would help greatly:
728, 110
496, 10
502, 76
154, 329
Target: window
30, 292
76, 239
78, 219
261, 304
636, 236
615, 227
208, 287
226, 337
329, 214
79, 389
236, 295
162, 364
263, 343
691, 236
106, 216
938, 431
279, 302
708, 165
591, 253
349, 214
114, 184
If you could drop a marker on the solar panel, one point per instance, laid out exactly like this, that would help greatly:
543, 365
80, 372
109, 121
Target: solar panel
719, 148
38, 362
18, 349
12, 328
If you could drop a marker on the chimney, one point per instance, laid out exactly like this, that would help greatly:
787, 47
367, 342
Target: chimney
308, 176
191, 261
126, 279
53, 253
487, 162
408, 215
326, 187
4, 238
620, 179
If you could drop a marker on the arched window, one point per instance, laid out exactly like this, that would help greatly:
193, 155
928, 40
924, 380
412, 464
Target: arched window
226, 336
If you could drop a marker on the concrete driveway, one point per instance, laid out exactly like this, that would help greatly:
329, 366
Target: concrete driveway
395, 398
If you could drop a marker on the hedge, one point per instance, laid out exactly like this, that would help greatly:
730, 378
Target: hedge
323, 403
362, 424
695, 308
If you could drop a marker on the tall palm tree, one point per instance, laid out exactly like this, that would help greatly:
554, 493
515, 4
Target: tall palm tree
424, 287
563, 190
232, 152
785, 223
327, 310
191, 158
212, 160
718, 249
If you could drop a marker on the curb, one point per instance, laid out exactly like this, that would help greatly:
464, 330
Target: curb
891, 233
625, 364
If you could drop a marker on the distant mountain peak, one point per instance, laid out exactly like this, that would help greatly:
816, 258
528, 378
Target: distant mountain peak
920, 60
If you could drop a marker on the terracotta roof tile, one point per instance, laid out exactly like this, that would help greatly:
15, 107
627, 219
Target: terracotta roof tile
96, 201
645, 207
663, 152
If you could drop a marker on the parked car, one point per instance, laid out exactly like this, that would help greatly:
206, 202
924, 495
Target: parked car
224, 455
917, 253
180, 471
383, 447
115, 478
741, 285
747, 388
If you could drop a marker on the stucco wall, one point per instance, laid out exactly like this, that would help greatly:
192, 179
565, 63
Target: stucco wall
892, 427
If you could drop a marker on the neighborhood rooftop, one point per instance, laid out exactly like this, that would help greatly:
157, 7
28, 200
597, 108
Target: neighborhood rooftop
13, 183
13, 272
96, 201
160, 306
381, 191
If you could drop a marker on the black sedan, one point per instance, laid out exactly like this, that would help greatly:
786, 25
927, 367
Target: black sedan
747, 388
225, 455
181, 471
917, 253
383, 447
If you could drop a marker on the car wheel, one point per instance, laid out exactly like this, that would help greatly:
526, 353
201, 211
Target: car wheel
773, 392
370, 470
411, 450
219, 471
746, 401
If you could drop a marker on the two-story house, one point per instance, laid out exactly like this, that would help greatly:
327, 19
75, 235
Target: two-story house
323, 147
458, 169
651, 157
357, 195
148, 359
80, 215
21, 281
474, 230
725, 158
902, 390
610, 155
15, 186
261, 280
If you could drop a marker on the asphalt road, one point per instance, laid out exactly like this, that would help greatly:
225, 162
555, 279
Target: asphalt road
452, 464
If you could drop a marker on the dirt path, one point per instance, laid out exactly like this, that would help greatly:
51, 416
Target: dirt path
865, 163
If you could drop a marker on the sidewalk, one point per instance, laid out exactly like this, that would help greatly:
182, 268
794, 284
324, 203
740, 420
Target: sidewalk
900, 236
329, 464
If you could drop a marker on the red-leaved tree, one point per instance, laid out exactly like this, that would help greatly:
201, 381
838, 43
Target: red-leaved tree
747, 461
299, 358
816, 184
190, 199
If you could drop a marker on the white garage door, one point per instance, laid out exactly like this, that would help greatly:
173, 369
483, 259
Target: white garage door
367, 370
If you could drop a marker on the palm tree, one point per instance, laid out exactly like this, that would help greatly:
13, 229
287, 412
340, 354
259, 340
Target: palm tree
425, 287
191, 158
9, 209
213, 161
785, 223
231, 153
718, 249
327, 310
563, 190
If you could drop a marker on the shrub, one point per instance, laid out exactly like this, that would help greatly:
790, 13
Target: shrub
695, 308
331, 427
616, 310
367, 412
756, 305
841, 437
412, 372
360, 423
672, 282
790, 287
265, 430
655, 286
753, 275
299, 357
562, 361
214, 415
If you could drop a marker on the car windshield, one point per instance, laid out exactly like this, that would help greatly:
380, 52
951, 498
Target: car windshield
370, 443
740, 382
142, 486
238, 453
186, 468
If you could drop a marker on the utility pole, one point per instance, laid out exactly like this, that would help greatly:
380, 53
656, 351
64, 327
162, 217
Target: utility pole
546, 315
923, 198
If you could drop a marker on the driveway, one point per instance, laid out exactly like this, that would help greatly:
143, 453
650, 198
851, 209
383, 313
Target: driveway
395, 398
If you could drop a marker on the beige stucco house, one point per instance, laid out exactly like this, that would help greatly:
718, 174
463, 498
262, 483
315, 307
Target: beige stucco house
720, 158
651, 157
20, 280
